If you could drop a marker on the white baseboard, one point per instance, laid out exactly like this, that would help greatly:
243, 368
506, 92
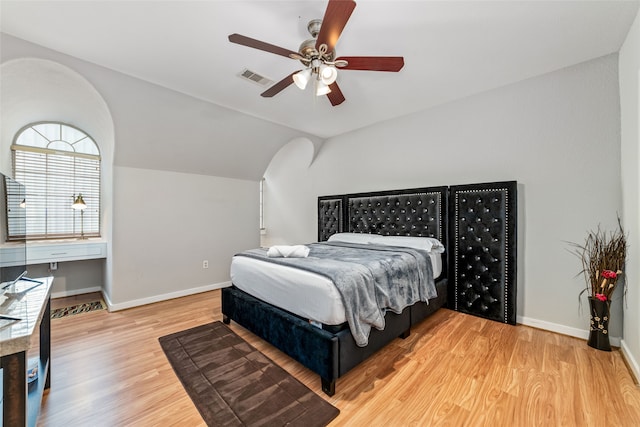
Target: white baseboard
70, 293
561, 329
163, 297
631, 361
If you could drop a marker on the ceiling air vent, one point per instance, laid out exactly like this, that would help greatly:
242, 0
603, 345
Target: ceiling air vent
255, 77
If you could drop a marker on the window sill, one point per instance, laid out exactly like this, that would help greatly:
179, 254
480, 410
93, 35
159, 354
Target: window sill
53, 251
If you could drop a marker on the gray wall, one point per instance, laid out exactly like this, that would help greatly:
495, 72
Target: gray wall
558, 135
630, 118
166, 223
72, 277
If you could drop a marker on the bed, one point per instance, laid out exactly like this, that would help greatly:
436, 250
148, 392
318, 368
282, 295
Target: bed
326, 344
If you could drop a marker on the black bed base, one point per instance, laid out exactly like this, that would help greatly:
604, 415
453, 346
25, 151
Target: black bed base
328, 354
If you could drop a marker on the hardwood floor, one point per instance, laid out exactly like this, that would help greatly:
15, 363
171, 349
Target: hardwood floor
109, 370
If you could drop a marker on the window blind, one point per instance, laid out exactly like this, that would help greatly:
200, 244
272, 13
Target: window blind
53, 179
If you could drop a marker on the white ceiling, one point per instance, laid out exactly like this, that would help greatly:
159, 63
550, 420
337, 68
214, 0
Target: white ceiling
452, 49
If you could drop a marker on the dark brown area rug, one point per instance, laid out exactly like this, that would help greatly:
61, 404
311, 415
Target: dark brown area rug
233, 384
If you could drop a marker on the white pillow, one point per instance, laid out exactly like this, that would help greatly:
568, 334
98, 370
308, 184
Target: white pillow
428, 244
362, 238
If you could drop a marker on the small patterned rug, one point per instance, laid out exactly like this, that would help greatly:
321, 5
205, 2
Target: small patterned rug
78, 309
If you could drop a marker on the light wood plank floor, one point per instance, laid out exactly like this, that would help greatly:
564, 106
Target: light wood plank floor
457, 370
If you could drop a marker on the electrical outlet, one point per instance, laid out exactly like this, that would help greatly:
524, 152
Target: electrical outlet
205, 264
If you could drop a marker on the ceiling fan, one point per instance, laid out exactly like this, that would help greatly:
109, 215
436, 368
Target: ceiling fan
318, 55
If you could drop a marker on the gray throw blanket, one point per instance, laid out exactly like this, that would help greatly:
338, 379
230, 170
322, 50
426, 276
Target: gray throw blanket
370, 278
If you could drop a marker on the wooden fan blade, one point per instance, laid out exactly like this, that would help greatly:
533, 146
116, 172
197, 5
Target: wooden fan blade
279, 87
335, 96
373, 63
335, 18
257, 44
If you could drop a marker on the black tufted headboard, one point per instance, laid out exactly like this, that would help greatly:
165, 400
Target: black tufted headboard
477, 224
483, 255
419, 212
330, 216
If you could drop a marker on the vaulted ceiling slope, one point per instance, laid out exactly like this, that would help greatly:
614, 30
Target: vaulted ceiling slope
155, 127
452, 49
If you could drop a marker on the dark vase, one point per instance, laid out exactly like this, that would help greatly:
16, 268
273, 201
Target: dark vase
599, 331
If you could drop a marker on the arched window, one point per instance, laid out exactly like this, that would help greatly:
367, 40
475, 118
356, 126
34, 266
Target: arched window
57, 163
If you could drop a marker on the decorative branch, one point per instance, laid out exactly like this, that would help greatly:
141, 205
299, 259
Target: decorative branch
603, 256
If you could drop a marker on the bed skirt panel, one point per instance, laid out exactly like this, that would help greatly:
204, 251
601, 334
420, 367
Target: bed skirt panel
421, 310
351, 354
315, 348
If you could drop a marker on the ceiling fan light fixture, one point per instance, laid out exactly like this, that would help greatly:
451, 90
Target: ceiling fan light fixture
319, 57
322, 88
328, 74
302, 78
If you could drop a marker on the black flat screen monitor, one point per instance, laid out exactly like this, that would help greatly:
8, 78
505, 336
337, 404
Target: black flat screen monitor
13, 235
